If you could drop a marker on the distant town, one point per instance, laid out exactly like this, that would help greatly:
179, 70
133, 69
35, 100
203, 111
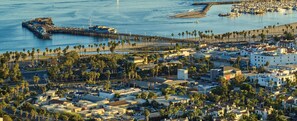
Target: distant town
192, 76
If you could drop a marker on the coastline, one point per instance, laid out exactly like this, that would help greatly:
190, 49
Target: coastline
269, 31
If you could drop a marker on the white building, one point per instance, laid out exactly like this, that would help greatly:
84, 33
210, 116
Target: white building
278, 78
264, 112
286, 43
122, 92
106, 94
199, 55
182, 74
279, 57
127, 92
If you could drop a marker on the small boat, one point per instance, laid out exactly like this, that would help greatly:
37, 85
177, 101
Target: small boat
191, 10
224, 14
197, 22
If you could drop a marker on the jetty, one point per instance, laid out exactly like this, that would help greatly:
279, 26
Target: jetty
219, 3
44, 28
203, 12
194, 14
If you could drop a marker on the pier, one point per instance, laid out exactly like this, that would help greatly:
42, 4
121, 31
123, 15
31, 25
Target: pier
44, 28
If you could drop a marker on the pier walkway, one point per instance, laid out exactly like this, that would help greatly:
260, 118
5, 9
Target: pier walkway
43, 28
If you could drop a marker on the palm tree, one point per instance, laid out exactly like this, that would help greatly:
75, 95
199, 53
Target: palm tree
183, 34
38, 51
147, 113
65, 118
33, 113
107, 73
13, 109
27, 114
254, 37
36, 80
98, 50
107, 85
288, 83
271, 85
57, 115
46, 50
21, 113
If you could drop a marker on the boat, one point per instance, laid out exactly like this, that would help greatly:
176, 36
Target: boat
224, 14
231, 14
191, 10
259, 12
280, 10
102, 29
234, 14
288, 7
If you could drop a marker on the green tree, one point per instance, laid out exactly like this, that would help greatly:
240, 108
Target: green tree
152, 95
13, 109
56, 115
33, 113
267, 63
239, 79
107, 74
107, 85
65, 118
223, 81
147, 114
36, 80
7, 118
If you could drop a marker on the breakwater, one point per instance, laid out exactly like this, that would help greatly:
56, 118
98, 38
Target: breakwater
219, 3
203, 12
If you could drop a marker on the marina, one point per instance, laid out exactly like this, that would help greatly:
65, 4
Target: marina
264, 7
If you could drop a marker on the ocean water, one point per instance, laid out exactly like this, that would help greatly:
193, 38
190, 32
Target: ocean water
150, 17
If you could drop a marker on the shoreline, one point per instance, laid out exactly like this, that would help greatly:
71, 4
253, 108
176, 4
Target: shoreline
269, 31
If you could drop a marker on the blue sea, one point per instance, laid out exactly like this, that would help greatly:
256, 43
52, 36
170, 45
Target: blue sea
150, 17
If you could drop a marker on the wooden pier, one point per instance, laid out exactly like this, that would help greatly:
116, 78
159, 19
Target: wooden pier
51, 29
